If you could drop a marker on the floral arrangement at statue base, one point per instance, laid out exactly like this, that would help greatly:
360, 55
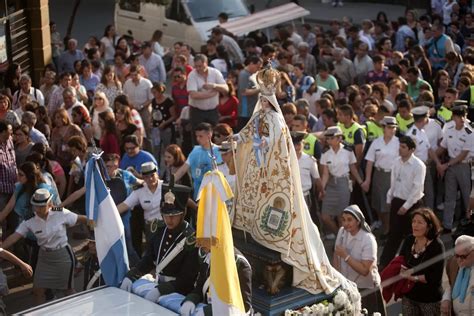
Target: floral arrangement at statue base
341, 305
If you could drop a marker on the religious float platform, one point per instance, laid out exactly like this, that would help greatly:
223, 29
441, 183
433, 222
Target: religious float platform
272, 292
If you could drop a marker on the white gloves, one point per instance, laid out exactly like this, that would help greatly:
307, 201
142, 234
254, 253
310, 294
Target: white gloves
187, 309
126, 285
153, 295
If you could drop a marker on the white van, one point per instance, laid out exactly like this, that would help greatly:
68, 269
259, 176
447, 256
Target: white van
190, 21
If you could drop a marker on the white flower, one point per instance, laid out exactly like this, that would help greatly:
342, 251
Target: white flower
341, 299
317, 309
331, 307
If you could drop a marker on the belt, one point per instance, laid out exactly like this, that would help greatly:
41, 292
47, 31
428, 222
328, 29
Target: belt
383, 170
214, 109
53, 249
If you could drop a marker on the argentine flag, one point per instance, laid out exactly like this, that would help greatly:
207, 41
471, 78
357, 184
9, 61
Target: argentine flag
108, 227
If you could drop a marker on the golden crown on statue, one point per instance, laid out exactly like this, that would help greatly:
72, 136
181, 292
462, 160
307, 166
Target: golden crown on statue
268, 80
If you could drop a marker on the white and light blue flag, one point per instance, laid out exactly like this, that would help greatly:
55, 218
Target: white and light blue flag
108, 228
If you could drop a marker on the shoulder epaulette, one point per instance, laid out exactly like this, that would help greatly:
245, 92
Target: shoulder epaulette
348, 148
410, 125
190, 235
137, 186
468, 130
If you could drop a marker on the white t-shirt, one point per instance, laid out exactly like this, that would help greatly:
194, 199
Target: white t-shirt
196, 83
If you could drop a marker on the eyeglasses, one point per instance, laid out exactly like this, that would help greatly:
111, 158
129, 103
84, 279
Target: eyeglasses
462, 257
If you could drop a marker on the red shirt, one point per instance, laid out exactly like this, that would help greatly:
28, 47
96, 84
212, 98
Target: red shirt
229, 108
109, 144
180, 96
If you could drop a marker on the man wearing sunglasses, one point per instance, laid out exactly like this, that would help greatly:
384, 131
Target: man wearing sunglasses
459, 294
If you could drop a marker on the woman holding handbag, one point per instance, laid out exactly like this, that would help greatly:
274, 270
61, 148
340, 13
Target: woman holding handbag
424, 263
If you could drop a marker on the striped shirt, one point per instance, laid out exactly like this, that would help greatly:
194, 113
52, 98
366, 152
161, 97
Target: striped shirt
7, 167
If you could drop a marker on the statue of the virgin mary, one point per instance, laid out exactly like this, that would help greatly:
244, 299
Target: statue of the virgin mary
269, 199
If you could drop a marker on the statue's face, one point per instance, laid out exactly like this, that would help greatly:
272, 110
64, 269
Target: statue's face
265, 103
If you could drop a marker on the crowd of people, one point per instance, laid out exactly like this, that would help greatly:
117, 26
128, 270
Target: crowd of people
379, 115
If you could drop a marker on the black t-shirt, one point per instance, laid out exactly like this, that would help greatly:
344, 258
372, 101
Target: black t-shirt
431, 291
160, 112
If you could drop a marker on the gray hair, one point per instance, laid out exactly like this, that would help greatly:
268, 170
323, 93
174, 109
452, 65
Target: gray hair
465, 242
69, 90
302, 103
303, 45
200, 57
25, 77
29, 118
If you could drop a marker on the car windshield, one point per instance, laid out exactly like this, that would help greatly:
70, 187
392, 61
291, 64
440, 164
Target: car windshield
208, 10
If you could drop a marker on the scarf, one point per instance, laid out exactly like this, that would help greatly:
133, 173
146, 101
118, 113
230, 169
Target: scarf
461, 284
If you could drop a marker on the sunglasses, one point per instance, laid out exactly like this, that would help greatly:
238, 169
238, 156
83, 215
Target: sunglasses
462, 257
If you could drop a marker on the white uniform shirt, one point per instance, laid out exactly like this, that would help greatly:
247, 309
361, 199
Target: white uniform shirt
362, 246
422, 142
308, 171
407, 181
456, 141
138, 94
50, 233
338, 163
383, 154
434, 131
149, 201
195, 83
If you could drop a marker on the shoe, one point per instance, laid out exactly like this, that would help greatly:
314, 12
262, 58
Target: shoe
376, 225
330, 237
334, 4
340, 4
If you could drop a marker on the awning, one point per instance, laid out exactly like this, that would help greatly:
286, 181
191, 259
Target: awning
265, 18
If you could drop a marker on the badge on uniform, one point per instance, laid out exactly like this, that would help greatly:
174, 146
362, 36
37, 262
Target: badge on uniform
306, 146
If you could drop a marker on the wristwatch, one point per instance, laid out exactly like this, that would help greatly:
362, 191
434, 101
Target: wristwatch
417, 278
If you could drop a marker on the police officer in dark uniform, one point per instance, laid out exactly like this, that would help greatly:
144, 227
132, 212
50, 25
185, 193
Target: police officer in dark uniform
201, 293
171, 250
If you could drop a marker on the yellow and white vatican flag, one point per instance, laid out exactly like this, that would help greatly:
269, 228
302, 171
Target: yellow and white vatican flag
214, 232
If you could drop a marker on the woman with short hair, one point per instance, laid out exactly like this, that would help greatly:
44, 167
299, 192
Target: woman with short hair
55, 267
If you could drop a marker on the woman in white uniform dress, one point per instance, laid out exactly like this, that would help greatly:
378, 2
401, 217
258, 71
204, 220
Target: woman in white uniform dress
55, 267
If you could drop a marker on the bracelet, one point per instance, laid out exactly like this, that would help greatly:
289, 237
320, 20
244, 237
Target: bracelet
347, 258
